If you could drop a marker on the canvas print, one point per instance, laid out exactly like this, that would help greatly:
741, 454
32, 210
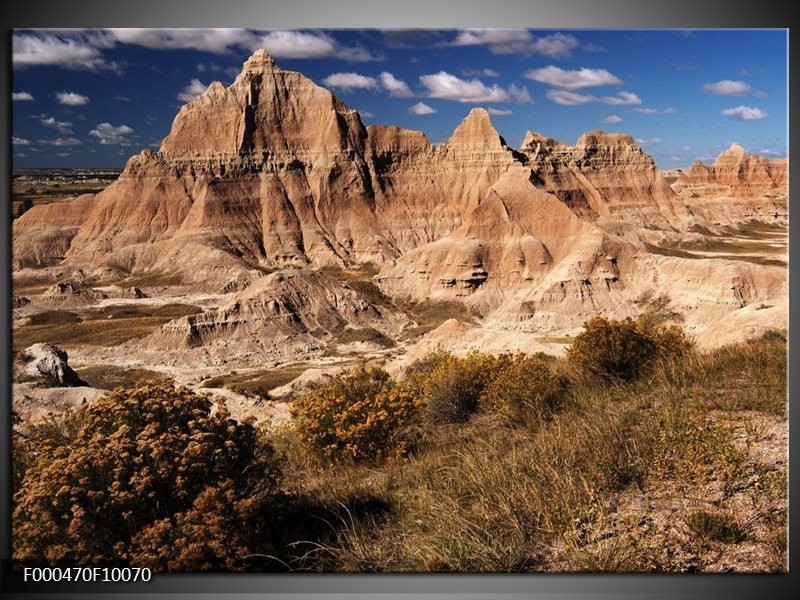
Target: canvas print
459, 300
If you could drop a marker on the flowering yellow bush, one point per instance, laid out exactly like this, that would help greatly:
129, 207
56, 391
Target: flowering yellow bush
151, 477
452, 387
527, 390
360, 416
624, 349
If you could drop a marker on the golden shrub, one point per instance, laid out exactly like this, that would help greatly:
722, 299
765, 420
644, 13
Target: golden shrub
526, 391
141, 462
453, 386
360, 416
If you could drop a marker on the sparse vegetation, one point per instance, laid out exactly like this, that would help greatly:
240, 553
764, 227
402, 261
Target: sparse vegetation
255, 384
366, 334
109, 377
362, 416
106, 326
148, 476
481, 463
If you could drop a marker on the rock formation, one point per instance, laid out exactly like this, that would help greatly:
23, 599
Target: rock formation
735, 174
275, 172
50, 362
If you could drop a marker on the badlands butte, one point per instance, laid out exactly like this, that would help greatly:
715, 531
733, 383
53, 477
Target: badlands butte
293, 236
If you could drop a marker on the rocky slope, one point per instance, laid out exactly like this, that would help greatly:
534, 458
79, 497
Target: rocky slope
277, 173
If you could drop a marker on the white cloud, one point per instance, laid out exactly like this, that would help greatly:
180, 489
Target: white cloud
480, 73
745, 113
645, 142
350, 81
420, 108
621, 98
445, 86
520, 94
20, 141
612, 119
79, 50
192, 90
518, 41
567, 98
61, 141
645, 111
572, 80
215, 40
670, 110
726, 87
61, 126
365, 113
498, 112
72, 98
355, 54
300, 44
557, 45
21, 96
397, 88
108, 134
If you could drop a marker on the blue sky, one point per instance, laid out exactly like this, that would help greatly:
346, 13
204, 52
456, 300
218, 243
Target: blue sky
92, 98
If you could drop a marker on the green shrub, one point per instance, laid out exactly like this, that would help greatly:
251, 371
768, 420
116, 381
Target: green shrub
361, 416
453, 386
526, 391
152, 476
613, 350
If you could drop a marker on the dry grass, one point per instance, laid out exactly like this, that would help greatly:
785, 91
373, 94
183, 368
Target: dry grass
109, 377
106, 326
256, 384
489, 496
367, 335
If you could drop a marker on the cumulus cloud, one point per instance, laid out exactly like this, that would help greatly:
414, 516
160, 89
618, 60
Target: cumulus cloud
498, 112
108, 134
520, 94
612, 119
192, 90
572, 80
621, 98
645, 111
301, 44
79, 50
21, 96
61, 126
745, 113
445, 86
396, 87
72, 98
420, 108
214, 40
480, 73
20, 141
644, 141
61, 141
727, 87
518, 41
350, 81
569, 98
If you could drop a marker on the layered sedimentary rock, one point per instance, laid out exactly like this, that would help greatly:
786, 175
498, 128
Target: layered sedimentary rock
275, 172
278, 313
737, 174
604, 173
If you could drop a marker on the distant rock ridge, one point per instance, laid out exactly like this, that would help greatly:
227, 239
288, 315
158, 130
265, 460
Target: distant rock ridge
736, 173
276, 172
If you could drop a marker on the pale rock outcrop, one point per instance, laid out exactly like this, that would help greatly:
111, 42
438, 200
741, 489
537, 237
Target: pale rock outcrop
50, 362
